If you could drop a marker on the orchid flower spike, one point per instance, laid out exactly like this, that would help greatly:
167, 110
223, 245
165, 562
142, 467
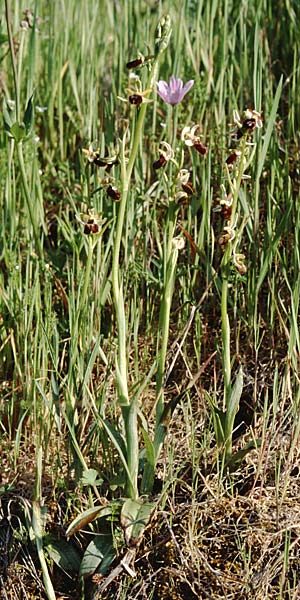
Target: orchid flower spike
175, 91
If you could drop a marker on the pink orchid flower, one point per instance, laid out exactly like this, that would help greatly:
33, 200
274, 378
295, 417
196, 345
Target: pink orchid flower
174, 92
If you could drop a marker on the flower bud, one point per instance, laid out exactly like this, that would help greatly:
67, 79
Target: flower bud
132, 64
160, 162
91, 227
231, 158
200, 148
113, 193
135, 99
163, 34
188, 188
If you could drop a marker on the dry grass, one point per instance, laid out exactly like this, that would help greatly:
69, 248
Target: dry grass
227, 536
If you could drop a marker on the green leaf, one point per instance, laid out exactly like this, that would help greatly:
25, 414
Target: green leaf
92, 358
53, 408
168, 410
99, 555
18, 131
90, 477
37, 529
105, 291
64, 555
135, 515
87, 517
29, 116
75, 443
118, 480
119, 444
116, 437
219, 419
233, 404
148, 475
235, 460
9, 117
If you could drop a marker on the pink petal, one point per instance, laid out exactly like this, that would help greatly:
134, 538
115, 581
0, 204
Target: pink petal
188, 86
162, 87
174, 92
165, 97
172, 84
179, 84
163, 90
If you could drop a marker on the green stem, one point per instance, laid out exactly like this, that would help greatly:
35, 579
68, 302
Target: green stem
235, 185
161, 425
83, 300
165, 308
170, 262
129, 410
169, 273
117, 284
226, 326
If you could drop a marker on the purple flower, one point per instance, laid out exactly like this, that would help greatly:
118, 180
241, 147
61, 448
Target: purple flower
174, 92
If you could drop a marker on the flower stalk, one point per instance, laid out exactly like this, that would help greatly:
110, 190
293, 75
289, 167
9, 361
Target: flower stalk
129, 407
171, 255
234, 185
164, 411
235, 167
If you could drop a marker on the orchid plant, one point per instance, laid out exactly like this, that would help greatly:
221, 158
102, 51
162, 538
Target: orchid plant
134, 509
236, 165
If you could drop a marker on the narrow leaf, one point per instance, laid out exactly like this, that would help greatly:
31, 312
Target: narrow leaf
75, 443
233, 404
148, 475
119, 444
38, 532
28, 116
219, 418
87, 517
273, 247
9, 117
237, 458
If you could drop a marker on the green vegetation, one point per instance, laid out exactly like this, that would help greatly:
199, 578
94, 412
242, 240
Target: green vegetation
149, 300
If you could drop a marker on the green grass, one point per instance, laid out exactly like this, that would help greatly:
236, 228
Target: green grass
71, 415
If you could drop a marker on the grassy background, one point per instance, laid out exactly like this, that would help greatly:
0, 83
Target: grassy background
211, 536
